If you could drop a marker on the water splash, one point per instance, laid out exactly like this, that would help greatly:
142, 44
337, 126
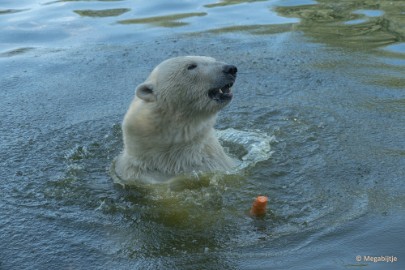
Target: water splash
249, 147
246, 147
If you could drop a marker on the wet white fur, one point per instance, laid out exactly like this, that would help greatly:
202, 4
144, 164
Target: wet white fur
168, 128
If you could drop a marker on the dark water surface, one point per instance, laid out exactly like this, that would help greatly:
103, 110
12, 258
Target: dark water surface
325, 79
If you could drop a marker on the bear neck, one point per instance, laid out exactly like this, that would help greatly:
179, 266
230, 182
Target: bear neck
177, 145
154, 128
183, 127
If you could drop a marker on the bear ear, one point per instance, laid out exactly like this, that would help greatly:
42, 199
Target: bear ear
145, 92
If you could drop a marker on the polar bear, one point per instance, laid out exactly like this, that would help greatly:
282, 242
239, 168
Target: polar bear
168, 129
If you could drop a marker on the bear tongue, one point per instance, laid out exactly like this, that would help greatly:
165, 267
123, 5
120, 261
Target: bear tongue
221, 94
224, 89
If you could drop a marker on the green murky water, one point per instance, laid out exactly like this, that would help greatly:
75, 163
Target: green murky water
322, 83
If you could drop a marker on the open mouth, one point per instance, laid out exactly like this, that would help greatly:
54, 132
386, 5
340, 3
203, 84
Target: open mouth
221, 94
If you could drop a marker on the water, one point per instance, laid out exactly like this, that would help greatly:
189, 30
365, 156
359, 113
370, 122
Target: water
319, 92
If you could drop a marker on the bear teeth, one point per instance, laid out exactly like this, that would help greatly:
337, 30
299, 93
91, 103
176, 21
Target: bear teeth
220, 91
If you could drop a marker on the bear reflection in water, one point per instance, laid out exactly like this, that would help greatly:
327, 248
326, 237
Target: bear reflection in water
168, 129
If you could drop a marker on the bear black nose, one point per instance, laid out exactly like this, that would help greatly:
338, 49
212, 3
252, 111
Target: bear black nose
230, 69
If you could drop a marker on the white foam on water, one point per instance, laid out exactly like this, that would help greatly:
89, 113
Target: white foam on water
256, 145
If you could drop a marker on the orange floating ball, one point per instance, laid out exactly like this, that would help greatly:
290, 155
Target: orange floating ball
259, 206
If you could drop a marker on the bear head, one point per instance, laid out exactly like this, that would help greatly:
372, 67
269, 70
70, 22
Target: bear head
189, 85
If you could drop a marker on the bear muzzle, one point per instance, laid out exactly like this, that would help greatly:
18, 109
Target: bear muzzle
224, 94
230, 69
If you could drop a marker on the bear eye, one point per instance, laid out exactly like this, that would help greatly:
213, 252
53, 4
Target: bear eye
191, 66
